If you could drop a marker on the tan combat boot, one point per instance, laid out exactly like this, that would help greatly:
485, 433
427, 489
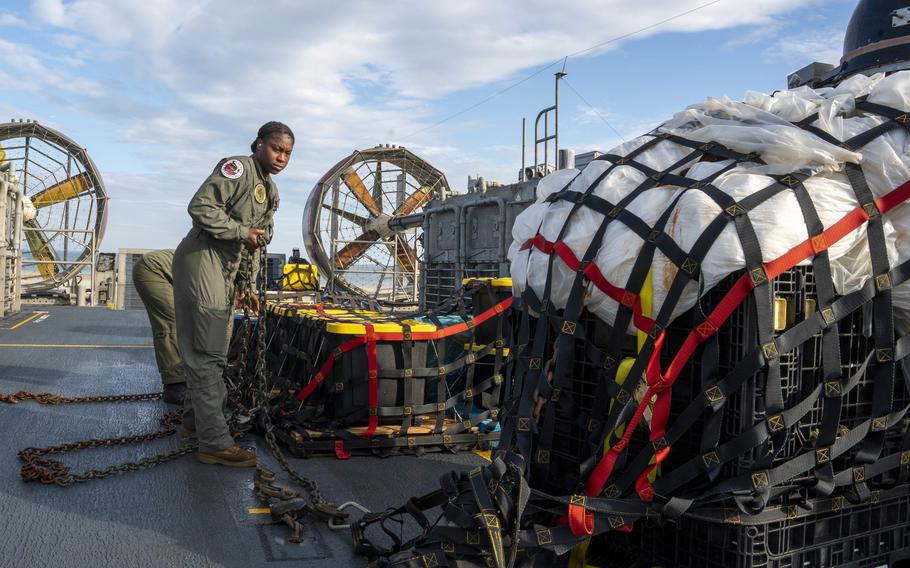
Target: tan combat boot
187, 433
235, 456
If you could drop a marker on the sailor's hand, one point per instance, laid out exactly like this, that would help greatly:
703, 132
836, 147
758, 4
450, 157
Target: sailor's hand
252, 240
254, 303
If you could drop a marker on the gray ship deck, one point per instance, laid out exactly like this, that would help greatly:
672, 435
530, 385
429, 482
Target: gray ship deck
178, 514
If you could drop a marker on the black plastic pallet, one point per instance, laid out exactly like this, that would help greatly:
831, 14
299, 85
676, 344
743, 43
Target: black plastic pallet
868, 535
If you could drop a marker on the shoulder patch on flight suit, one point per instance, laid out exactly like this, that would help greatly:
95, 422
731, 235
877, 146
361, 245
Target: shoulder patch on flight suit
259, 193
232, 169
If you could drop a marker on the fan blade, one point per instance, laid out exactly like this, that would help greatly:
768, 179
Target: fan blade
405, 255
41, 249
353, 181
351, 252
416, 200
62, 191
356, 219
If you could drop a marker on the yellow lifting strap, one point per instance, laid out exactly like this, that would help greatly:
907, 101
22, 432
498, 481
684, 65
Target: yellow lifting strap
579, 558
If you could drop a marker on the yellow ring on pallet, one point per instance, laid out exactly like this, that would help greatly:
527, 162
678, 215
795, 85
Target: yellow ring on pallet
504, 282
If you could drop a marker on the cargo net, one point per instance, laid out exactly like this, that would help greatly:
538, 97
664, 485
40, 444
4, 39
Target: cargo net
351, 380
705, 327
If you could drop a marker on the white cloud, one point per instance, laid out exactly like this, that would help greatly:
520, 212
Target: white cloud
24, 68
190, 78
12, 21
589, 115
49, 12
824, 45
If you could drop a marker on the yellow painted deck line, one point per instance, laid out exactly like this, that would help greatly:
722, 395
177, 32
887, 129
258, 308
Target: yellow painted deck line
28, 319
485, 454
259, 511
75, 346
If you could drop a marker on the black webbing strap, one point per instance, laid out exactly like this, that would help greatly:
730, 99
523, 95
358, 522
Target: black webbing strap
667, 484
409, 381
831, 358
788, 513
758, 481
899, 118
440, 386
883, 319
517, 383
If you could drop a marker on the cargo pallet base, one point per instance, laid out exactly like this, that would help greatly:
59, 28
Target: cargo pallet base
865, 535
388, 440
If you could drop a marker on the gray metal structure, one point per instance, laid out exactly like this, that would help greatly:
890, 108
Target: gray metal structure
126, 296
10, 240
468, 236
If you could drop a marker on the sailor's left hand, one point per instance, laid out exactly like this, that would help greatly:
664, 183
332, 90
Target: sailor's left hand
254, 303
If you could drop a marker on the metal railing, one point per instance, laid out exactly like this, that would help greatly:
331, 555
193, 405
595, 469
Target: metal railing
84, 259
10, 240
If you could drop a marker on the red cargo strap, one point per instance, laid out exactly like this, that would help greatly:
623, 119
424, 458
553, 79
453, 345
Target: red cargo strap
595, 276
581, 520
719, 315
323, 372
339, 451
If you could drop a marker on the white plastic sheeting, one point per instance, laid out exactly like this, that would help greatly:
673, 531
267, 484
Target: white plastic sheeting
761, 124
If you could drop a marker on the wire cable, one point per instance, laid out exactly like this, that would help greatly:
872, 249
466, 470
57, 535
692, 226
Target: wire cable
593, 109
560, 60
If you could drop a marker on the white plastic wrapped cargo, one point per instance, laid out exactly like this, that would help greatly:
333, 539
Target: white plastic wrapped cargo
762, 124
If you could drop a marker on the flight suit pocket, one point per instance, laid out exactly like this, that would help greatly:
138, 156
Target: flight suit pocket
211, 330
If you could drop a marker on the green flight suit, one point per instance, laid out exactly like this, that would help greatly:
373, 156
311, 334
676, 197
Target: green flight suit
209, 264
154, 281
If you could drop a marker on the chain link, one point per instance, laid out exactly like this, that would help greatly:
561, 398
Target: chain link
37, 467
260, 392
50, 398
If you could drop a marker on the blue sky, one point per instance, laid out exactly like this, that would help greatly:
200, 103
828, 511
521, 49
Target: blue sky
159, 91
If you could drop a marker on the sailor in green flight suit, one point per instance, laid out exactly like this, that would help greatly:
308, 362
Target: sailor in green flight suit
232, 214
154, 280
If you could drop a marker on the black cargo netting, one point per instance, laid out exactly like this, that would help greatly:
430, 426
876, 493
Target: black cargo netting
351, 380
774, 400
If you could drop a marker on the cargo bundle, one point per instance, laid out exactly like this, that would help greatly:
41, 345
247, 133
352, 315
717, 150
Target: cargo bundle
710, 330
354, 380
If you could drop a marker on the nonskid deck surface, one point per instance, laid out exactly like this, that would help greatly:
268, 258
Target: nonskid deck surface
177, 514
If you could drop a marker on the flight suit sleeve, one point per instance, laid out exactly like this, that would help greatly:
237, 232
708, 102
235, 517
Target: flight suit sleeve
248, 257
209, 205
